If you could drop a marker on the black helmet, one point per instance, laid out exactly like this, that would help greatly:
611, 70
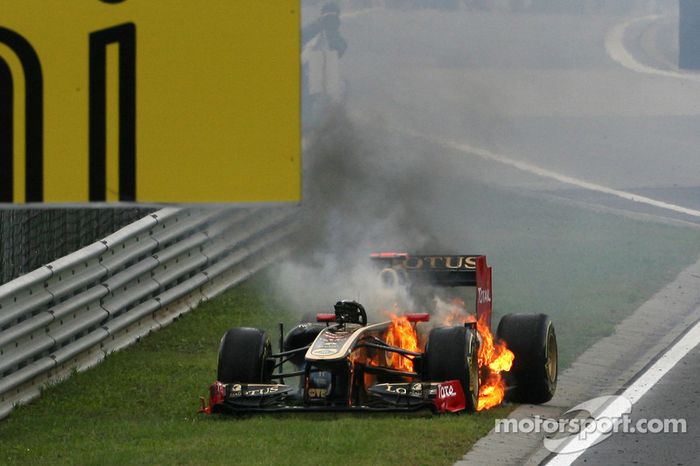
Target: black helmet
350, 312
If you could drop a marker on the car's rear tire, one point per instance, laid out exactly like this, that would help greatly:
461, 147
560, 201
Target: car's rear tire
243, 356
452, 354
532, 339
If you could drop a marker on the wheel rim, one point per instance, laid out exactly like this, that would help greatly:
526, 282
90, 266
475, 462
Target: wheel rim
474, 378
551, 362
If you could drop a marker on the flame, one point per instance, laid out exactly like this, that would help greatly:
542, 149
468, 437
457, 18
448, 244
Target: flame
494, 356
401, 333
456, 317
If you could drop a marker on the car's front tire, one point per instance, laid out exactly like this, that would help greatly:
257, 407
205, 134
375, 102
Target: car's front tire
243, 356
452, 354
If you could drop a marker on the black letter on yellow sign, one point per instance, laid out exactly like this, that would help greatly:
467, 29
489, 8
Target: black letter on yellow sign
6, 133
34, 120
125, 36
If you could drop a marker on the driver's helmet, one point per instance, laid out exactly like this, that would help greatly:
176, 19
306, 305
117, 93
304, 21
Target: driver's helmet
350, 312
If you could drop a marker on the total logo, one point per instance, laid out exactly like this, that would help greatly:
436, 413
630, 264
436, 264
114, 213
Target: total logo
483, 296
446, 391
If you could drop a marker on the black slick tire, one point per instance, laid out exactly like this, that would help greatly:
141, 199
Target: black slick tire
452, 354
532, 339
243, 355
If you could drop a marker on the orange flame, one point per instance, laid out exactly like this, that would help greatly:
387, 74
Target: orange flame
494, 357
457, 317
400, 333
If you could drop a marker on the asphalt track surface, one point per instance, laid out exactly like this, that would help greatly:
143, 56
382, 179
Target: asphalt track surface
675, 396
539, 89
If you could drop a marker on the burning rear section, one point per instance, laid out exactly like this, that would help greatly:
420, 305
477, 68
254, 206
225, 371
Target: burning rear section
495, 359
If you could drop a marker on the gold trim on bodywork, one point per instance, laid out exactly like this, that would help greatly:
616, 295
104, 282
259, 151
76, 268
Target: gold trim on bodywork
315, 353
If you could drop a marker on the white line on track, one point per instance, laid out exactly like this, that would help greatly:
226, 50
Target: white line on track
545, 173
615, 46
643, 384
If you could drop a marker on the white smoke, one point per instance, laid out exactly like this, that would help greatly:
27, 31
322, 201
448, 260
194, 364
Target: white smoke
362, 194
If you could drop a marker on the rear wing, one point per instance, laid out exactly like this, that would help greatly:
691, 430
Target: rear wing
444, 271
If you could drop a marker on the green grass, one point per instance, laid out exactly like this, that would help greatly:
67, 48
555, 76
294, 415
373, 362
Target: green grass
139, 407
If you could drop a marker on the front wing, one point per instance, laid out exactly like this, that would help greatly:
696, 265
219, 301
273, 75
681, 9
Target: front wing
440, 397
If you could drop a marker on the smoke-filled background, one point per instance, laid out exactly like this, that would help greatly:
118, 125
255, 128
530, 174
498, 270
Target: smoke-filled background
429, 84
364, 191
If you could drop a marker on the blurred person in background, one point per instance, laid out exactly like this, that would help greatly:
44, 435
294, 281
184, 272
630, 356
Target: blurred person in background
322, 48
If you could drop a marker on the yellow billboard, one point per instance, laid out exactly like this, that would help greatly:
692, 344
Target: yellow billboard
149, 101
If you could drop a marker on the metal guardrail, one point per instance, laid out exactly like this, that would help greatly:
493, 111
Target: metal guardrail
69, 314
